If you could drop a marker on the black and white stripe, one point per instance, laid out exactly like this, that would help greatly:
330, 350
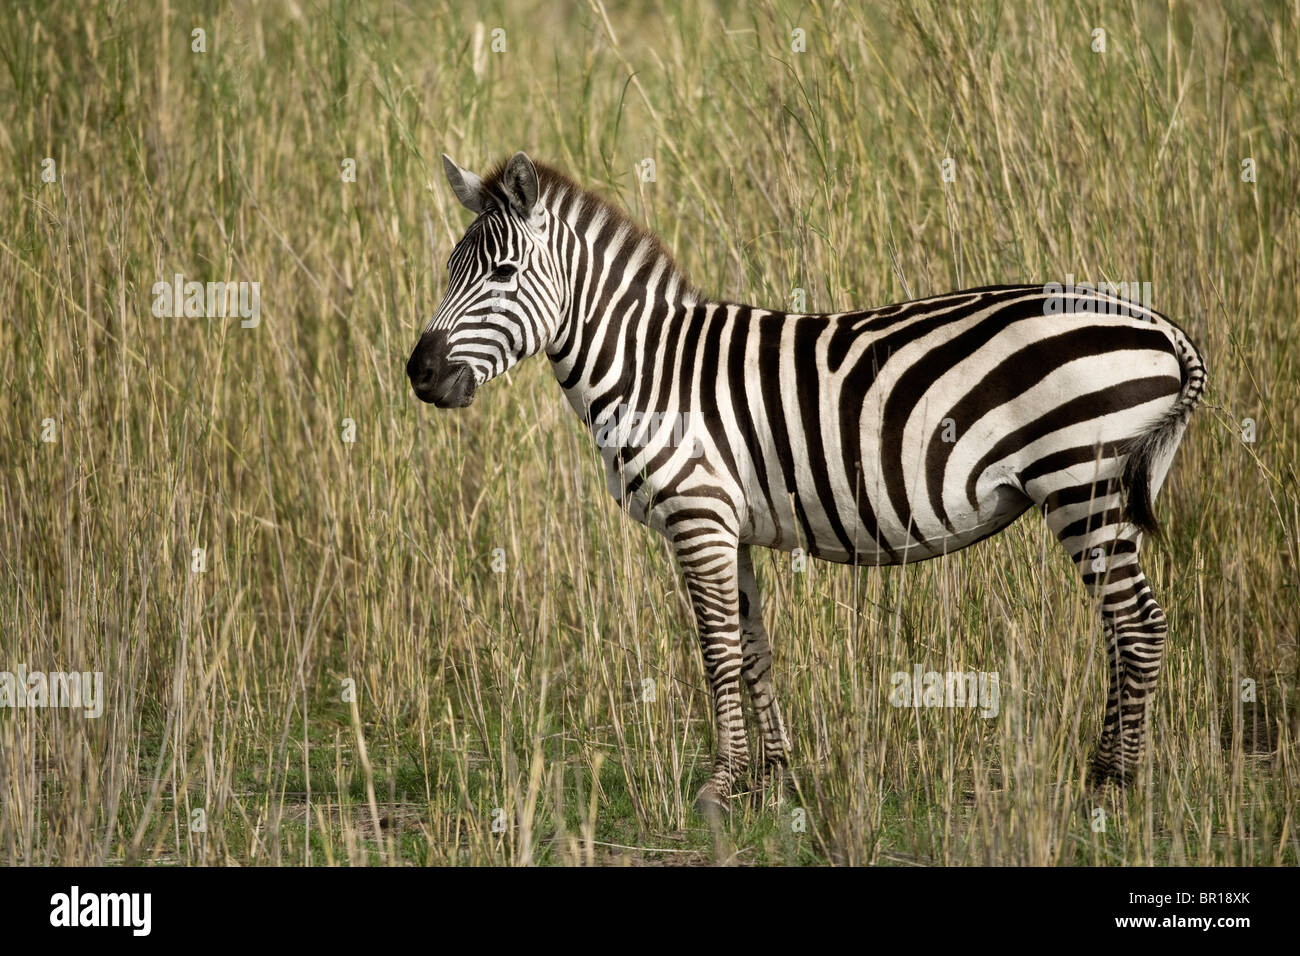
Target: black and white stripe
882, 436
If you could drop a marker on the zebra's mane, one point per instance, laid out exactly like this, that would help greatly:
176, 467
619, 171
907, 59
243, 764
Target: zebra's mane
580, 207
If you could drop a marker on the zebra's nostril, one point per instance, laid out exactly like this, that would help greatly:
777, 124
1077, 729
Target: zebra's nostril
427, 373
422, 368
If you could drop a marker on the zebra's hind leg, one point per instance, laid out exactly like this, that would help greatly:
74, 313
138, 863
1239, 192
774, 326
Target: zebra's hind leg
1088, 520
709, 566
757, 671
1135, 638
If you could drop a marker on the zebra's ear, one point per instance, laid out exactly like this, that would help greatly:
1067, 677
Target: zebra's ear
467, 187
519, 182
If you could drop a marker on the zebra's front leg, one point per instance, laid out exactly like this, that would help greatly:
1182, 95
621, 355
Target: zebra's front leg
709, 567
757, 672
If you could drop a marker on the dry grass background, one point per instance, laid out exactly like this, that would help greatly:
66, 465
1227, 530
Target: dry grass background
515, 698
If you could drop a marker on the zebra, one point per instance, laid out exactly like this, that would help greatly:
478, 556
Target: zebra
875, 437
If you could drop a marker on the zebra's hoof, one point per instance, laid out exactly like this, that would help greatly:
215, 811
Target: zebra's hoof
775, 781
1102, 774
710, 803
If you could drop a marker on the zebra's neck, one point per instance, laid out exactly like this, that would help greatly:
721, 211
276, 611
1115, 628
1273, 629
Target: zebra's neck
627, 300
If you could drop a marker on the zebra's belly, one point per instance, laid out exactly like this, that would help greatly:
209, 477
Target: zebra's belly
810, 530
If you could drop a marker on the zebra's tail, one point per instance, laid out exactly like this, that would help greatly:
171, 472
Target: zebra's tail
1150, 453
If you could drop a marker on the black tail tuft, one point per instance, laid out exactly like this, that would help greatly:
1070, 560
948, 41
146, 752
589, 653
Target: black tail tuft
1139, 508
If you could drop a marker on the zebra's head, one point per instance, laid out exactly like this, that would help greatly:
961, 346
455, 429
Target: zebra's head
504, 297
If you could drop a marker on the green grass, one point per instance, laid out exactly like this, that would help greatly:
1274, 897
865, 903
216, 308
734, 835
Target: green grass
517, 696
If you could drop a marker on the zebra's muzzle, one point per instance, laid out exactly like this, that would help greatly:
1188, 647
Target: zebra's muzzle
436, 380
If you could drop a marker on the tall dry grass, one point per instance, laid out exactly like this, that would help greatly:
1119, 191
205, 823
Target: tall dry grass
500, 717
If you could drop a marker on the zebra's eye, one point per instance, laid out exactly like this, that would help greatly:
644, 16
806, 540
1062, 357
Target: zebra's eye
502, 272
